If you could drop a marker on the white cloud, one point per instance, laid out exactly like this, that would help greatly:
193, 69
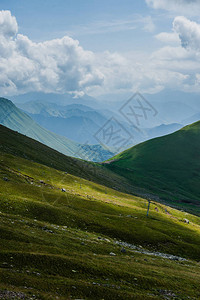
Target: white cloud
8, 24
175, 66
189, 33
59, 65
168, 38
189, 7
143, 72
149, 25
185, 58
63, 66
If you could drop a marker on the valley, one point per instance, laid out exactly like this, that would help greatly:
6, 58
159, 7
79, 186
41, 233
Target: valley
78, 243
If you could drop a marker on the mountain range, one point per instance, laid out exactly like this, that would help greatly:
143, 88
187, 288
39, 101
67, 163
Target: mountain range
80, 122
76, 121
17, 120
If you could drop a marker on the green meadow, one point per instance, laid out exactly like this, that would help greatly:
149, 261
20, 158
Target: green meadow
66, 245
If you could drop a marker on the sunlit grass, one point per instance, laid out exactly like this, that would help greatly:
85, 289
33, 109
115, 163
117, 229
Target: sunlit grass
58, 244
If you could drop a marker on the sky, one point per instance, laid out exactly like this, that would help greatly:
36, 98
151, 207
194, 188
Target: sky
99, 47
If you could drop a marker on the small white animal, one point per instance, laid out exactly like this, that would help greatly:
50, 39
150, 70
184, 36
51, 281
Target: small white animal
186, 221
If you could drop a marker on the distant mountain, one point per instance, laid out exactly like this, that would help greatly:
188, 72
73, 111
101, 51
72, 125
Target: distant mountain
172, 106
192, 119
45, 109
60, 99
76, 121
174, 111
15, 119
79, 129
162, 130
51, 109
80, 122
189, 99
168, 166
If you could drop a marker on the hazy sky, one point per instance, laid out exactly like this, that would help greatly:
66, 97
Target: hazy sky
99, 47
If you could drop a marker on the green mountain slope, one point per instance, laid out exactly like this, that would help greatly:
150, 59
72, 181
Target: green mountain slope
17, 144
168, 166
89, 242
15, 119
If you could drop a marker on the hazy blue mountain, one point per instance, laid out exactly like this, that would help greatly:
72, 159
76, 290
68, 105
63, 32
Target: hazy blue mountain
192, 119
80, 122
163, 130
174, 111
51, 109
76, 121
191, 100
60, 99
15, 119
78, 128
172, 106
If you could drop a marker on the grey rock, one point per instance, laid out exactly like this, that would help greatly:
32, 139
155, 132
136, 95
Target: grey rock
123, 250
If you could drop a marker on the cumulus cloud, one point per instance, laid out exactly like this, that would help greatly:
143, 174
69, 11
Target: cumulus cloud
182, 59
144, 72
63, 66
168, 38
180, 6
189, 33
174, 66
8, 24
59, 65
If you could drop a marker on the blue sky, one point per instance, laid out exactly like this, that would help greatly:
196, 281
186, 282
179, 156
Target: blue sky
57, 18
146, 45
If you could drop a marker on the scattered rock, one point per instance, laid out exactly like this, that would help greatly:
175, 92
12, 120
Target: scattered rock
107, 240
5, 294
112, 254
63, 190
167, 294
5, 178
47, 230
123, 250
141, 250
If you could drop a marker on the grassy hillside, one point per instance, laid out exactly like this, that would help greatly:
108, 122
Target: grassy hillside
70, 245
19, 145
15, 119
168, 167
